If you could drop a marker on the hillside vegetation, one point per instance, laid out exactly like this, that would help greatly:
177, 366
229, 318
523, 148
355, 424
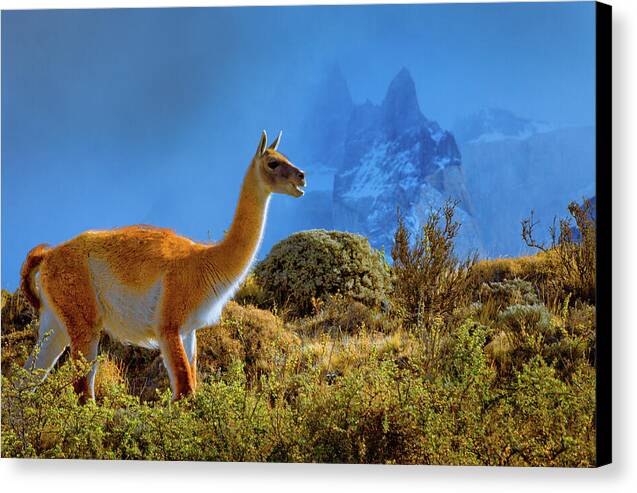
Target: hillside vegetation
432, 360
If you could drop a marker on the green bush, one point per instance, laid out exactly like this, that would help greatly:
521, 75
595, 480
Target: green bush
565, 341
543, 420
45, 420
313, 265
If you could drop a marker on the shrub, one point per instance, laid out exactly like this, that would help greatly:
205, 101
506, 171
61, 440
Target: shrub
565, 341
492, 376
47, 421
17, 312
573, 341
377, 410
143, 369
580, 323
572, 252
508, 292
19, 329
16, 346
545, 421
429, 280
530, 318
522, 332
316, 264
465, 360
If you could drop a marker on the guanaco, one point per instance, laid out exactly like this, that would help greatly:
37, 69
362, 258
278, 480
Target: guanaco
148, 286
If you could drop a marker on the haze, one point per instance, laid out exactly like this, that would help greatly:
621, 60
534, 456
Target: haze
117, 117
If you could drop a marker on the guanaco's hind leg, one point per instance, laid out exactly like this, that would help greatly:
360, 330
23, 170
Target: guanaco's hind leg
65, 279
190, 346
85, 385
52, 341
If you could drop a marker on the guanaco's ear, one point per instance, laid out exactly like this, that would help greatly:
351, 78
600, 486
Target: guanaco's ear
275, 145
262, 144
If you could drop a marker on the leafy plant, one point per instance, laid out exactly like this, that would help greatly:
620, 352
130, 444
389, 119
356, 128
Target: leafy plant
428, 278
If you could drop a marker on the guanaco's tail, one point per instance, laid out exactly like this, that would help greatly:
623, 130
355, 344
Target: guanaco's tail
27, 275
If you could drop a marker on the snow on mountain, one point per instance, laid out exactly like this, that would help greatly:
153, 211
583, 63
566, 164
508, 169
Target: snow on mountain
394, 158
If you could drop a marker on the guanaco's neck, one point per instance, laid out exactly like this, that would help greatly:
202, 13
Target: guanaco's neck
237, 250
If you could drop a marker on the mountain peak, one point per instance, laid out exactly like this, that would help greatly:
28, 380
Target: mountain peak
400, 106
403, 76
402, 90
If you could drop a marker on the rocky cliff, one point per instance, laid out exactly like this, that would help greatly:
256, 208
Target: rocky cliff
394, 157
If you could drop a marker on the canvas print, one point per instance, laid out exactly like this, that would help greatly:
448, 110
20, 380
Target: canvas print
335, 234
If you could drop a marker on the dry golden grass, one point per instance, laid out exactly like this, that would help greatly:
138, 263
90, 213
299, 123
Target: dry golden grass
110, 373
246, 333
529, 268
338, 354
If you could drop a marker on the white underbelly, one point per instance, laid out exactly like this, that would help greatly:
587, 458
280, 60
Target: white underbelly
130, 316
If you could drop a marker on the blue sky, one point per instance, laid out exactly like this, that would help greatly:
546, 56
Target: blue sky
116, 117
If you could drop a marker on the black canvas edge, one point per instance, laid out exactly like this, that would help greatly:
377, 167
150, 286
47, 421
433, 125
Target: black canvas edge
603, 302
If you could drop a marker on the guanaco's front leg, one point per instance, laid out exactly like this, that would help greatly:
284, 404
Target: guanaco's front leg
176, 361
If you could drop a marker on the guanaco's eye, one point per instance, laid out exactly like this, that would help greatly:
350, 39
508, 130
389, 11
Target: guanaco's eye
273, 164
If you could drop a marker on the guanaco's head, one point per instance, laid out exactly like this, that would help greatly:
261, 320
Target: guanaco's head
277, 173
